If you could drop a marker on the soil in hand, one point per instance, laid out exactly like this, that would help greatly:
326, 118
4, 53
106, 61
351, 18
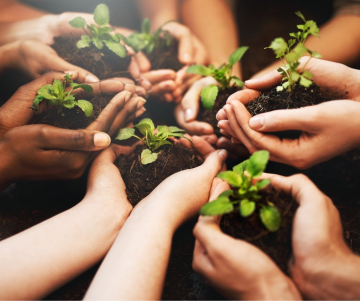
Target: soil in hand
209, 116
75, 118
141, 180
103, 63
165, 57
275, 244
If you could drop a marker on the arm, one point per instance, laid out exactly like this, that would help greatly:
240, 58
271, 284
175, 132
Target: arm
12, 11
46, 256
141, 252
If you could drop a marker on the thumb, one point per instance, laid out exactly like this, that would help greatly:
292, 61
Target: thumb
265, 82
213, 163
282, 120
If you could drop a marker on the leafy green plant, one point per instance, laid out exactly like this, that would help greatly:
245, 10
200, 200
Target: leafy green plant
290, 55
144, 40
57, 95
152, 139
100, 34
223, 76
244, 194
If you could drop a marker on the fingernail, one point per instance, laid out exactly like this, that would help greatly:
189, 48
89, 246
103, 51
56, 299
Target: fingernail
71, 72
127, 96
257, 122
223, 154
189, 114
141, 103
91, 79
102, 140
187, 57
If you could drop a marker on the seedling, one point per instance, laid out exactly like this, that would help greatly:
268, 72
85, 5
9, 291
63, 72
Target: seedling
244, 194
152, 139
144, 40
100, 34
56, 95
290, 55
223, 75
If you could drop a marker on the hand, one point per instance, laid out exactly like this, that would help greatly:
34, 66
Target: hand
15, 112
187, 111
235, 268
181, 196
323, 267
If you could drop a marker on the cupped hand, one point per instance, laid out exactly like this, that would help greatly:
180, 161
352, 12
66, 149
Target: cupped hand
323, 266
235, 268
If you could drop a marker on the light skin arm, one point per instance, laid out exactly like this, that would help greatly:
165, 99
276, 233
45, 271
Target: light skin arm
339, 42
46, 256
12, 11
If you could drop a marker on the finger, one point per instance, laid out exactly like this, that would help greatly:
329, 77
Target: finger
236, 141
244, 96
191, 100
143, 62
225, 126
158, 76
134, 69
203, 147
220, 187
102, 87
163, 87
211, 139
225, 133
221, 115
140, 91
105, 120
183, 35
213, 161
265, 82
202, 263
194, 127
235, 151
168, 97
143, 82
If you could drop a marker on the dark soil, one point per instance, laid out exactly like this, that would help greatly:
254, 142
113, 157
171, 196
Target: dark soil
209, 116
275, 244
75, 118
141, 180
165, 57
103, 63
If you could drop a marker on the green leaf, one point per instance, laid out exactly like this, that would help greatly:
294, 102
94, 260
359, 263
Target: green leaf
69, 97
148, 157
149, 122
295, 76
262, 183
279, 88
220, 206
231, 177
123, 38
247, 208
257, 163
227, 193
313, 28
86, 106
144, 128
208, 96
69, 104
291, 57
305, 82
102, 15
46, 92
237, 55
58, 87
117, 48
316, 55
98, 44
125, 133
199, 69
82, 44
87, 88
307, 74
299, 14
36, 101
238, 82
78, 22
279, 46
300, 50
175, 129
271, 218
160, 143
240, 168
146, 26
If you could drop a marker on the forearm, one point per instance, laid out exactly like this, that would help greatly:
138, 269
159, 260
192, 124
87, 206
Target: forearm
159, 11
213, 23
10, 56
12, 11
44, 257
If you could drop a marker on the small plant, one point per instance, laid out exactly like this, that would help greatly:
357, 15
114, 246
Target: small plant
223, 75
144, 40
57, 95
100, 35
292, 54
152, 139
244, 193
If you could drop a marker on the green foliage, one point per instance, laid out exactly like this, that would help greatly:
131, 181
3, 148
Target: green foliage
291, 51
100, 34
244, 193
144, 40
152, 139
56, 95
223, 76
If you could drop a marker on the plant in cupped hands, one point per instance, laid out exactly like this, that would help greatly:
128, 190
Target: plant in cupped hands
223, 75
245, 194
290, 55
100, 34
152, 139
57, 95
144, 40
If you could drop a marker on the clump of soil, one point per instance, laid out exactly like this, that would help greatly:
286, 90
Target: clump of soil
141, 180
165, 57
103, 63
75, 118
275, 244
209, 116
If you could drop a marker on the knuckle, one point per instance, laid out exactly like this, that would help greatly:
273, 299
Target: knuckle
79, 139
301, 163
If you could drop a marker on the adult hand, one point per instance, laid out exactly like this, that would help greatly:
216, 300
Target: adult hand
187, 111
235, 268
323, 266
15, 112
